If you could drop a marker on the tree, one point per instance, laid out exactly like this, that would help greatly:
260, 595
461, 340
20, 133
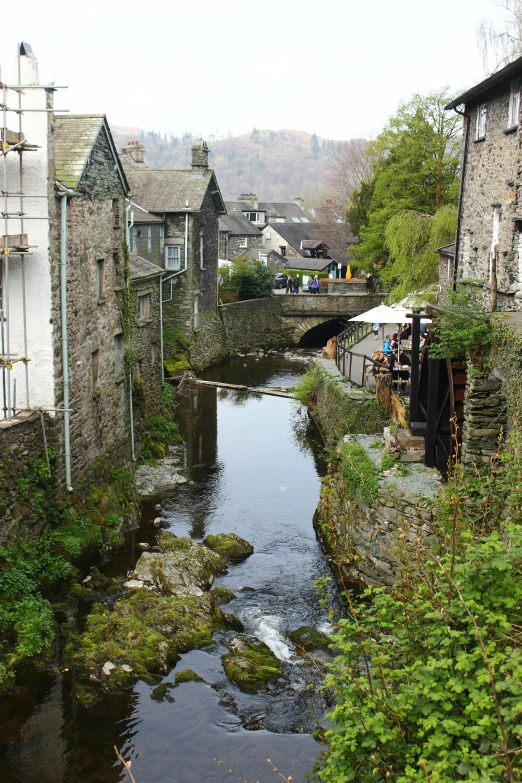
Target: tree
415, 163
500, 40
349, 167
251, 279
357, 212
411, 239
314, 146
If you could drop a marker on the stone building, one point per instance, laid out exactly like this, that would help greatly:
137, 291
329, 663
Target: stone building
261, 212
313, 241
66, 284
190, 204
489, 236
237, 234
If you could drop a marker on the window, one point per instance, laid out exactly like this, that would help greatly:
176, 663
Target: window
134, 240
172, 257
514, 103
95, 366
296, 220
480, 132
153, 354
280, 220
116, 268
305, 220
144, 307
253, 216
118, 356
138, 369
116, 212
149, 239
161, 238
243, 242
201, 251
100, 278
196, 312
264, 258
282, 250
268, 235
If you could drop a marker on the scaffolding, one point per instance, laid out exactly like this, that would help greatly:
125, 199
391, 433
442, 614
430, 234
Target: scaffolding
15, 247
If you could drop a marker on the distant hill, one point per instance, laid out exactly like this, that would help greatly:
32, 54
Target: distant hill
277, 165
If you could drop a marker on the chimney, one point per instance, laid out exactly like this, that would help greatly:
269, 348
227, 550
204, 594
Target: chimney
249, 198
299, 202
28, 66
200, 155
135, 150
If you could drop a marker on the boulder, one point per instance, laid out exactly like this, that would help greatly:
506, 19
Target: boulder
183, 567
222, 595
156, 480
251, 665
230, 546
187, 675
308, 639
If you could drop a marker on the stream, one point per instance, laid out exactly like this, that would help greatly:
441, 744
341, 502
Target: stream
253, 465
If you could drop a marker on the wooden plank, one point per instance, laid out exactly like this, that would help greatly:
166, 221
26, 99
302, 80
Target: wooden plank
431, 412
414, 373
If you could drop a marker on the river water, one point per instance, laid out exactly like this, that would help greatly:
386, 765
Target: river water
253, 465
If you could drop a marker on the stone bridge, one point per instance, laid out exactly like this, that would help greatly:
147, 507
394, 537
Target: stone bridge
302, 313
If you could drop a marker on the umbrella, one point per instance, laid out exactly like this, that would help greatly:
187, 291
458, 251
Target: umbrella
383, 314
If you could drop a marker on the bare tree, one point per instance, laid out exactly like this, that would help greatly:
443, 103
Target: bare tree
348, 167
500, 39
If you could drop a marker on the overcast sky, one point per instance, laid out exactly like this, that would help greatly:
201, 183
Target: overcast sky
334, 67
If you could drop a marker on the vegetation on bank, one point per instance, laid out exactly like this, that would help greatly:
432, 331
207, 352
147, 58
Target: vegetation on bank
248, 279
340, 415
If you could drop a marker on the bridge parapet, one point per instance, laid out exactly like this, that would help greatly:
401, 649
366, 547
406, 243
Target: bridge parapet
334, 305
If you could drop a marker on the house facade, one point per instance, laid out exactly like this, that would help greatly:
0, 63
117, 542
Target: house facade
189, 203
237, 235
488, 250
64, 280
307, 242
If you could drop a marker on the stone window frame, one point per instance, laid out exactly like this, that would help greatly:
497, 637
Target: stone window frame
162, 238
202, 250
116, 216
144, 307
480, 122
196, 312
95, 371
167, 248
100, 280
119, 359
514, 103
149, 239
243, 242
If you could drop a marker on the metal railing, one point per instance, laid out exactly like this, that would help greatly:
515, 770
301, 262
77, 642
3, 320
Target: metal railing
349, 362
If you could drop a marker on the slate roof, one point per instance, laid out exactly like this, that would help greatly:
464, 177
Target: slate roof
336, 237
307, 264
447, 250
238, 206
237, 223
511, 71
168, 190
74, 137
286, 210
140, 268
144, 217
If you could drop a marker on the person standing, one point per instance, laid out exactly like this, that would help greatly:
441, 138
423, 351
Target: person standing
369, 283
289, 284
315, 285
375, 329
296, 284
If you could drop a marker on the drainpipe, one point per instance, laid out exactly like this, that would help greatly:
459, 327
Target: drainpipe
131, 407
65, 345
161, 330
461, 196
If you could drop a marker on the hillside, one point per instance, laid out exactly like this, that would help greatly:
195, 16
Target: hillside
277, 165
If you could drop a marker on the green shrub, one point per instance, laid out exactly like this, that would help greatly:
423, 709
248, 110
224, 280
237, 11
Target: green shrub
306, 388
160, 429
251, 279
387, 460
463, 329
359, 471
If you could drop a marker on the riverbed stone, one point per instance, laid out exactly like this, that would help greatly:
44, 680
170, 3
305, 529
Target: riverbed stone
141, 636
187, 675
222, 595
230, 546
251, 665
156, 480
307, 639
183, 567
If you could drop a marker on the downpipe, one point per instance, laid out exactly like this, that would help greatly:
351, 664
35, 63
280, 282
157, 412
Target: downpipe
65, 344
131, 403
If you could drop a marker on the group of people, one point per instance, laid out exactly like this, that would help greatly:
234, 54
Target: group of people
390, 355
292, 285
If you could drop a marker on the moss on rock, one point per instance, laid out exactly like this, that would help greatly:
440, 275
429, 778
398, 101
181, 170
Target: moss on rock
229, 545
187, 675
308, 639
233, 622
251, 665
143, 633
222, 595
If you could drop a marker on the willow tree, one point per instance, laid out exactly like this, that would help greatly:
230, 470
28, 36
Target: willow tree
411, 239
415, 164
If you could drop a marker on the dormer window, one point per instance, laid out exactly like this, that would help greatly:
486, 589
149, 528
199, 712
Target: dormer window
514, 103
480, 132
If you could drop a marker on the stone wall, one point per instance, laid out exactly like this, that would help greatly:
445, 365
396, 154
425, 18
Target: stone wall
146, 344
99, 417
485, 419
349, 305
153, 249
234, 245
255, 323
492, 173
341, 287
21, 442
360, 537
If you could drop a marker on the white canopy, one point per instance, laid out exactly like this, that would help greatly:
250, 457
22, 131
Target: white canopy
386, 314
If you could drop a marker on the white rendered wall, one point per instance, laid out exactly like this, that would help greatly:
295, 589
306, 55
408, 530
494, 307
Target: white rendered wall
37, 265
